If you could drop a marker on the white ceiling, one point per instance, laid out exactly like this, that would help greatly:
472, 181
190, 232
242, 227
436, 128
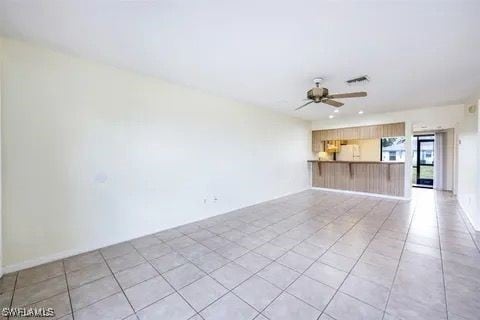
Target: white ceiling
417, 53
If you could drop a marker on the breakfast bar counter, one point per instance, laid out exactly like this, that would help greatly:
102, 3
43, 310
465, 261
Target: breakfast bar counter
378, 177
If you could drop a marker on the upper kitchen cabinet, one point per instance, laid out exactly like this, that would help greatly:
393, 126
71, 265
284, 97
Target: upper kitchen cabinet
349, 133
354, 133
393, 130
317, 141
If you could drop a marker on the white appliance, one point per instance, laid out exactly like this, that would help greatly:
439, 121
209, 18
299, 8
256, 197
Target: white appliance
349, 152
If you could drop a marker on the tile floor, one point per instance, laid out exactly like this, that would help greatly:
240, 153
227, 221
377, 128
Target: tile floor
312, 255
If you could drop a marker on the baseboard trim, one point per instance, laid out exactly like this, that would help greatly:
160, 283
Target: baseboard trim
50, 258
73, 252
386, 196
472, 228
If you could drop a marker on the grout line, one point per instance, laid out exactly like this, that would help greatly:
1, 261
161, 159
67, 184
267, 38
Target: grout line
44, 280
13, 292
99, 300
118, 283
68, 289
440, 249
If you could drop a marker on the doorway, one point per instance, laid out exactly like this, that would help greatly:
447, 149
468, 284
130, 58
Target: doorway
423, 160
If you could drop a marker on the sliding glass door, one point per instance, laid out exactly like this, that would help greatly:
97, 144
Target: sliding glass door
423, 155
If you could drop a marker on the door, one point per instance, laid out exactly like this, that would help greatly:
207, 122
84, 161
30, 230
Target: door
423, 155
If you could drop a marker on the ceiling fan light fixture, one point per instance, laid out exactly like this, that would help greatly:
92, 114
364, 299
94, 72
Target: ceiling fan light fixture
360, 112
319, 94
331, 116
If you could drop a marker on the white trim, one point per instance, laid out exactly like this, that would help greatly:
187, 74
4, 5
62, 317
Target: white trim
471, 225
52, 257
474, 227
386, 196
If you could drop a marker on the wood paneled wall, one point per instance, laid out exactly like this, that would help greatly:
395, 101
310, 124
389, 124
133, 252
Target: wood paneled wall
354, 133
380, 178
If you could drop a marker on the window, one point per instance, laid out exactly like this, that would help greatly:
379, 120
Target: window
392, 155
393, 149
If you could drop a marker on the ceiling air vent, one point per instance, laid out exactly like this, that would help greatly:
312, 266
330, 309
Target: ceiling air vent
358, 80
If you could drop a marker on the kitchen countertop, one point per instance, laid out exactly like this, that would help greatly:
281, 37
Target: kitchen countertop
353, 161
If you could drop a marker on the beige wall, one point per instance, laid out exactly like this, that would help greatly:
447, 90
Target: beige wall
95, 155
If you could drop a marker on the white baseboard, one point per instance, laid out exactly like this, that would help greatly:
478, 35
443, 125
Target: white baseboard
73, 252
41, 260
53, 257
470, 224
379, 195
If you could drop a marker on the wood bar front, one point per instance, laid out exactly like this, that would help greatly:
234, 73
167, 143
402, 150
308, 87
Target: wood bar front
362, 176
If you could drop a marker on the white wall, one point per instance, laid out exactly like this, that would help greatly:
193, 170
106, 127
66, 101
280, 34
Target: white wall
94, 155
431, 117
468, 162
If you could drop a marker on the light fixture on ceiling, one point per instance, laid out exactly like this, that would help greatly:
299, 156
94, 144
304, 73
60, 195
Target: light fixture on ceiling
330, 116
360, 112
336, 111
319, 94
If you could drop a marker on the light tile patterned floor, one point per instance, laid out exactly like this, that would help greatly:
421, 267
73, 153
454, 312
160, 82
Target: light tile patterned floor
312, 255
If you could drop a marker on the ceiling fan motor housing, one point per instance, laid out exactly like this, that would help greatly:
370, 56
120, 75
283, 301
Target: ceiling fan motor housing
317, 93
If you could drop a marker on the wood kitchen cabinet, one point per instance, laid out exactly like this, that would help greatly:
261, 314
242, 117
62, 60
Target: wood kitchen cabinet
317, 142
354, 133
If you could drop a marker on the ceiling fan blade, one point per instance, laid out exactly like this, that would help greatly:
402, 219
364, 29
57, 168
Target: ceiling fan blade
332, 103
347, 95
304, 105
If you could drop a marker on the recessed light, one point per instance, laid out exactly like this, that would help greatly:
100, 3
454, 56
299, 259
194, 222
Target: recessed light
336, 111
360, 112
331, 116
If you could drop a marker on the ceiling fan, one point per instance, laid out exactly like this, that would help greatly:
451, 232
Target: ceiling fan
318, 94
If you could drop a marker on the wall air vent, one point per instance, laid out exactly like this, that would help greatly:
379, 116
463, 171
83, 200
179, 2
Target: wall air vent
359, 80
